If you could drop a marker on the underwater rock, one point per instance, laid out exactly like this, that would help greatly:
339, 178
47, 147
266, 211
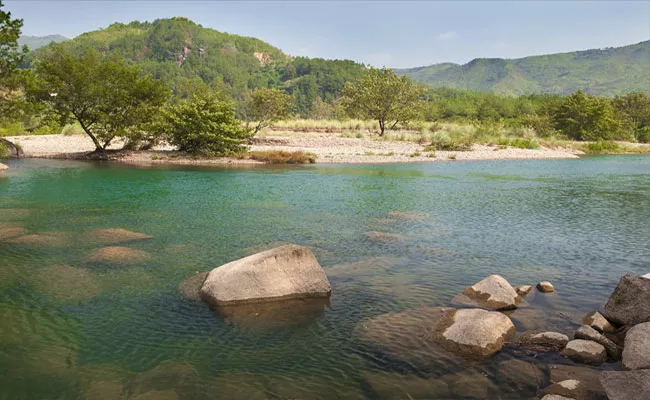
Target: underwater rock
570, 388
112, 236
545, 287
286, 272
393, 386
118, 255
587, 375
66, 284
45, 239
13, 214
8, 233
383, 237
191, 287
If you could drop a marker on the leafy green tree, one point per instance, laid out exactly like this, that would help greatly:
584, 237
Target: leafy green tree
635, 110
11, 56
383, 96
107, 97
267, 106
204, 124
585, 117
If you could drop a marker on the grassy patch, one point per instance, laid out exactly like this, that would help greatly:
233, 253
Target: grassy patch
283, 157
602, 147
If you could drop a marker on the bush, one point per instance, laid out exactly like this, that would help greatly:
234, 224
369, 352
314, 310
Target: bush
643, 134
444, 143
283, 157
206, 125
603, 147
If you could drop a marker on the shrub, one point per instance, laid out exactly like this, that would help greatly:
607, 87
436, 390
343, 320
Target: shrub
449, 144
643, 134
72, 129
283, 157
603, 147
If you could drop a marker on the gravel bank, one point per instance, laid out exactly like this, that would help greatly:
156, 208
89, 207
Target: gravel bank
328, 148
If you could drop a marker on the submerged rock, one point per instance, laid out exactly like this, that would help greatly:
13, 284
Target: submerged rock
470, 384
587, 375
626, 385
597, 321
545, 287
393, 386
383, 237
585, 352
191, 287
45, 239
636, 354
67, 284
112, 236
523, 375
286, 272
3, 167
407, 215
8, 233
588, 333
553, 341
274, 314
556, 397
168, 377
523, 290
13, 214
493, 292
629, 304
118, 255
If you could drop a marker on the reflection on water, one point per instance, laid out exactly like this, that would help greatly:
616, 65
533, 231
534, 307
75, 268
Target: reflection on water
87, 312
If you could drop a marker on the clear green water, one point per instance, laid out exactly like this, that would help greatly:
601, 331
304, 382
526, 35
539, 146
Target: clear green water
127, 330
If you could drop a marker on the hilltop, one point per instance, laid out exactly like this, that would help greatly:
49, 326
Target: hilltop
185, 54
606, 72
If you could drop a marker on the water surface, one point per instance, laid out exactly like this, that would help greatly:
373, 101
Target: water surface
416, 234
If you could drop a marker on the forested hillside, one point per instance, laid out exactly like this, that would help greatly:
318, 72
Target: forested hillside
35, 42
608, 72
185, 54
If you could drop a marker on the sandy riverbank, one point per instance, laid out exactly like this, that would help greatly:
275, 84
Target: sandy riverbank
328, 148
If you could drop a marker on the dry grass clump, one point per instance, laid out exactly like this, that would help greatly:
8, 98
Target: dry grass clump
282, 157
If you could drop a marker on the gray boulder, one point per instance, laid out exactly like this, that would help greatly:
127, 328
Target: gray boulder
629, 304
585, 352
570, 388
286, 272
553, 341
587, 375
493, 293
474, 333
588, 333
626, 385
636, 354
597, 321
523, 290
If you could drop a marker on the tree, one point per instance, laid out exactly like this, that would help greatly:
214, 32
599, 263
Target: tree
383, 96
635, 110
267, 106
204, 124
107, 97
11, 55
583, 117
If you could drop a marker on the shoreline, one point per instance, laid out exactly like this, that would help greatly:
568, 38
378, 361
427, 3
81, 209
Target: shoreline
329, 148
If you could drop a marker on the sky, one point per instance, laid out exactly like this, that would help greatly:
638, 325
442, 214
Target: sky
400, 34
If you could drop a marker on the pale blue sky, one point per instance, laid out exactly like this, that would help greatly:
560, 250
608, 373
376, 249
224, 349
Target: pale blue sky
384, 33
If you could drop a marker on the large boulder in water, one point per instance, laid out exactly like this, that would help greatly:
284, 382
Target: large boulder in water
3, 167
286, 272
629, 304
493, 292
636, 353
585, 352
626, 385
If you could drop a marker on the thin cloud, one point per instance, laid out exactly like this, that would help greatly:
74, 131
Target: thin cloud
447, 35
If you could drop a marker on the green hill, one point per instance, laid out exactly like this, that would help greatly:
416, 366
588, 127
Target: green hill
35, 42
606, 72
185, 54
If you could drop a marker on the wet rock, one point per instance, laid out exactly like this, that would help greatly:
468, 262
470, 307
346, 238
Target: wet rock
235, 385
45, 239
112, 236
555, 397
474, 333
571, 388
626, 385
520, 374
523, 290
167, 377
553, 341
3, 167
129, 282
274, 314
67, 284
585, 352
597, 321
493, 293
191, 287
13, 214
8, 233
636, 354
545, 287
312, 388
286, 272
104, 390
393, 386
540, 319
383, 237
629, 304
470, 384
587, 375
118, 255
588, 333
157, 395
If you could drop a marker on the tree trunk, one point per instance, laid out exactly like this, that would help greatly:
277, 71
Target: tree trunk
382, 127
98, 146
